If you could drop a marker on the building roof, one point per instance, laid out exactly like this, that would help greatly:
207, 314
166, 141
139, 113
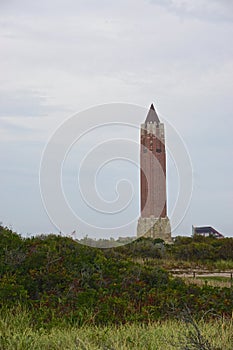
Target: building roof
152, 116
201, 230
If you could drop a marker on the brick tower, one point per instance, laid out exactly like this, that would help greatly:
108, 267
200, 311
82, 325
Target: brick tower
153, 221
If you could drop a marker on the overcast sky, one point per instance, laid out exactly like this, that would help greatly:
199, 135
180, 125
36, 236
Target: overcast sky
60, 57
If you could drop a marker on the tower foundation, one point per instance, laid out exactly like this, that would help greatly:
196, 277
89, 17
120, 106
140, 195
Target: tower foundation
155, 228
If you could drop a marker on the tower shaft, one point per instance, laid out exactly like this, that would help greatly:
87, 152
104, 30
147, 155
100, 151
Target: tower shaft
153, 221
153, 170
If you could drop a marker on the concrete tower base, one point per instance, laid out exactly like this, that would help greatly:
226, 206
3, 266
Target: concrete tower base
155, 228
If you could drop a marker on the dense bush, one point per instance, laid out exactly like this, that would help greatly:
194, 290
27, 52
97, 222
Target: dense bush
55, 277
197, 248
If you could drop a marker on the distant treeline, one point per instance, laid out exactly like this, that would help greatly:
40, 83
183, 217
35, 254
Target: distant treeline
197, 248
57, 278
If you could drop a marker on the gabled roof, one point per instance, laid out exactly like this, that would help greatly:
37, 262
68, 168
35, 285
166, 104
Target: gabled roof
152, 115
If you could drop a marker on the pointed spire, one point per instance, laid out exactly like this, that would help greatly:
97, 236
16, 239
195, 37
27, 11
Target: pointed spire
152, 115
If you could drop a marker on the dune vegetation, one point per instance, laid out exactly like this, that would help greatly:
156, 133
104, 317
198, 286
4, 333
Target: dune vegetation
57, 293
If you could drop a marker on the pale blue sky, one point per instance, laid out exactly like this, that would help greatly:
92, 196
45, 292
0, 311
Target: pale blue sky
60, 57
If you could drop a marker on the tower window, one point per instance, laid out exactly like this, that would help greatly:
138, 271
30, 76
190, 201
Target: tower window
158, 150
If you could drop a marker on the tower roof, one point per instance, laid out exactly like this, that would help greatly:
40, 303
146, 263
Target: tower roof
152, 115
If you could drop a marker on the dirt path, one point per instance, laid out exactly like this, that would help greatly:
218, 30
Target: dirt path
202, 273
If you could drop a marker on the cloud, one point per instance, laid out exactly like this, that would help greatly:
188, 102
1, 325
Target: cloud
212, 10
22, 103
